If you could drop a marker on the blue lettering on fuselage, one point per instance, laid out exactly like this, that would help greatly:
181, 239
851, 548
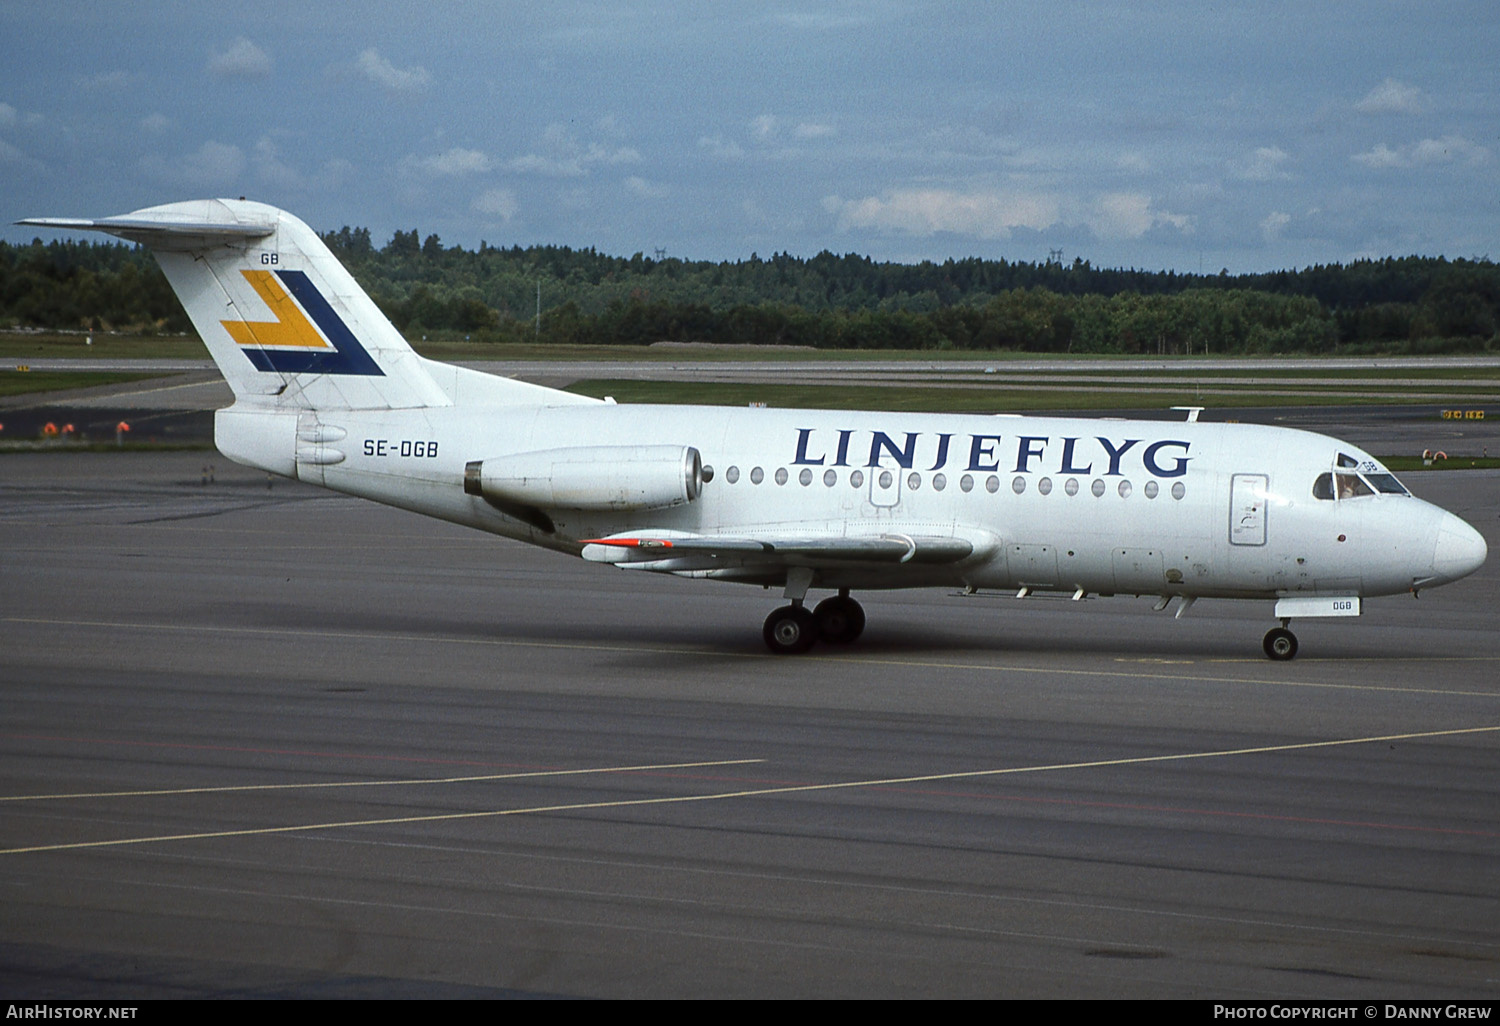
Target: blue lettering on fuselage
881, 442
1179, 467
1115, 453
802, 458
1067, 459
1167, 457
982, 453
1030, 448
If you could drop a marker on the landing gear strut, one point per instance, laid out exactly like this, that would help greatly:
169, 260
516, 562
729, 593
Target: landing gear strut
793, 629
1279, 644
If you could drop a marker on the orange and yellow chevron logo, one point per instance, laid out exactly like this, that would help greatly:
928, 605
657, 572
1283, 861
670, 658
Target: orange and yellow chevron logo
290, 329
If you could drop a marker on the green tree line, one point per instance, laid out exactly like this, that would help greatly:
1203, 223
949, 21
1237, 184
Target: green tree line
1408, 304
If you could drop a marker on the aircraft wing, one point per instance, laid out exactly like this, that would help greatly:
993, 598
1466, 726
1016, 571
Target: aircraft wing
670, 550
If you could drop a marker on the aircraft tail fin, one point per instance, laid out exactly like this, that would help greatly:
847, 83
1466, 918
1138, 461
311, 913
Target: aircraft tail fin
286, 323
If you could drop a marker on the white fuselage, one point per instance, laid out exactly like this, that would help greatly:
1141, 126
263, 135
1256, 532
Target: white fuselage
1102, 506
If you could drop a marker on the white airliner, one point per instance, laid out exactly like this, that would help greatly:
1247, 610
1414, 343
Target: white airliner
327, 391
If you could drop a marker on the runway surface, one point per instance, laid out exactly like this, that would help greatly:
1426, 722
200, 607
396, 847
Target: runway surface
269, 741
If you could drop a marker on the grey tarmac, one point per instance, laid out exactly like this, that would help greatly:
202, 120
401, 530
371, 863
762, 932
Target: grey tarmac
260, 740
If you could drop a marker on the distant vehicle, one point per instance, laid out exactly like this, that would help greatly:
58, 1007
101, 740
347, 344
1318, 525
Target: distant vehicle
327, 391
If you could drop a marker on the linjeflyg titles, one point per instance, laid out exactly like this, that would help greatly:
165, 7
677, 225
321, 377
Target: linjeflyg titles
1015, 454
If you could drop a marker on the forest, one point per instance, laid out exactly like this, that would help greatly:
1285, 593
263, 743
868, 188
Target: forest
1408, 304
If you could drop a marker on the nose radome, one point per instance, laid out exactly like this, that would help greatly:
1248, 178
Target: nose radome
1460, 549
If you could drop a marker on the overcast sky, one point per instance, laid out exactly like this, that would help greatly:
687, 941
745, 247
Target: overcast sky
1183, 134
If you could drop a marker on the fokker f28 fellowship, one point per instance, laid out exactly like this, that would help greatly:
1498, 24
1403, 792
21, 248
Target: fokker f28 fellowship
327, 391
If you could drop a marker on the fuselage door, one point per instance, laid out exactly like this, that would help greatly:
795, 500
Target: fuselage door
885, 486
1247, 509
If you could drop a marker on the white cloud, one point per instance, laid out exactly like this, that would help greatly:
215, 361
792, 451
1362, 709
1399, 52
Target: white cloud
452, 164
1380, 156
822, 21
988, 215
1129, 215
619, 155
808, 130
647, 190
1272, 226
1447, 150
994, 214
9, 152
243, 59
156, 123
386, 75
499, 203
565, 156
1392, 97
214, 165
725, 149
1266, 164
536, 164
1121, 215
270, 168
764, 126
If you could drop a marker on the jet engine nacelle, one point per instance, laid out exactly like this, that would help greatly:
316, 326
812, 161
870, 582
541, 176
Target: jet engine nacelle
595, 477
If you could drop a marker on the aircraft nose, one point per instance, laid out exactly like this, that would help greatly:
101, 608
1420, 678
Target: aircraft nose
1460, 549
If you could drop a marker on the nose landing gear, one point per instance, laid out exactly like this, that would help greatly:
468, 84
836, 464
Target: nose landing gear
1279, 643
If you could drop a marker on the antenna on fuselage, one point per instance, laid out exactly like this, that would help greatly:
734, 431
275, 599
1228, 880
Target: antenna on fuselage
1192, 412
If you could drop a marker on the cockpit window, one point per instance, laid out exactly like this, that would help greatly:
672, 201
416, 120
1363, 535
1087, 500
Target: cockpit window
1352, 486
1347, 462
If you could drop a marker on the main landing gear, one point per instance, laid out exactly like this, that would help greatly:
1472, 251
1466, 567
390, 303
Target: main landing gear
1279, 643
793, 629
